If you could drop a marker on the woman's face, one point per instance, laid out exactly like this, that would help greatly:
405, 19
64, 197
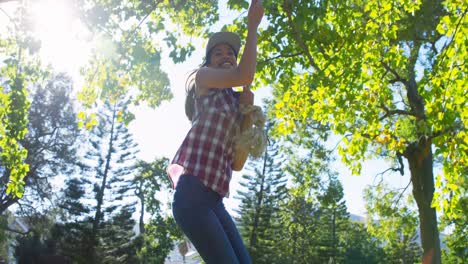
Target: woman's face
222, 56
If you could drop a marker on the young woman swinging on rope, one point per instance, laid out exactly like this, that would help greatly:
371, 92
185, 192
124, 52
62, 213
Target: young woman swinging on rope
219, 141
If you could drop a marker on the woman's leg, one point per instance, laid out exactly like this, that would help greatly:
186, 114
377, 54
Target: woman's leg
193, 211
232, 233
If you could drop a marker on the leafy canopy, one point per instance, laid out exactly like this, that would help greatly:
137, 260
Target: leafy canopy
382, 74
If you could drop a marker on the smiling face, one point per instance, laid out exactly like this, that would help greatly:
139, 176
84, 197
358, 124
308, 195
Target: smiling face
222, 56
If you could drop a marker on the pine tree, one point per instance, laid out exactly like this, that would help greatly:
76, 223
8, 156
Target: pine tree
334, 222
314, 216
73, 232
300, 214
98, 204
361, 247
299, 222
117, 245
265, 188
110, 160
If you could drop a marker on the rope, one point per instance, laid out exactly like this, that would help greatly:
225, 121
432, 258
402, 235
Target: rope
254, 138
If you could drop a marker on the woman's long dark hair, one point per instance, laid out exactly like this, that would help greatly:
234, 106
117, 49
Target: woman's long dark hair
190, 91
190, 87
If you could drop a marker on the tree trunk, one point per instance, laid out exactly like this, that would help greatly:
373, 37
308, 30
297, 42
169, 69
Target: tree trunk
419, 156
141, 196
100, 196
7, 202
420, 162
334, 253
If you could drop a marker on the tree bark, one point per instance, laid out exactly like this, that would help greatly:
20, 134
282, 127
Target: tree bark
7, 202
420, 163
334, 253
100, 195
420, 160
141, 196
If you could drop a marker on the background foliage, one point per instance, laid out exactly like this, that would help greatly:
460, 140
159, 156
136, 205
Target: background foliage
351, 79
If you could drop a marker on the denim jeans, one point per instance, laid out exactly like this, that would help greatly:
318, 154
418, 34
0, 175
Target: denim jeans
201, 214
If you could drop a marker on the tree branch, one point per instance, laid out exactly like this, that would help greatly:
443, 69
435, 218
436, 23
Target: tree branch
155, 5
281, 56
445, 131
402, 165
401, 194
446, 45
131, 34
298, 38
397, 78
338, 143
7, 203
387, 170
398, 169
16, 231
414, 98
6, 14
389, 112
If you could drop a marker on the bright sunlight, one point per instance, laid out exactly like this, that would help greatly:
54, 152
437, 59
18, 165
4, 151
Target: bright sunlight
65, 40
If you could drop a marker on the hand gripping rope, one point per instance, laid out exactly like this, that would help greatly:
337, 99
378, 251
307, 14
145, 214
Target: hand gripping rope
254, 138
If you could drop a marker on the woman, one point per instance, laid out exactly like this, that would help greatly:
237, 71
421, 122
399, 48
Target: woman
202, 167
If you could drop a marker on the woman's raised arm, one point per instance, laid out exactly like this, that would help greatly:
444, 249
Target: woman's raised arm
243, 74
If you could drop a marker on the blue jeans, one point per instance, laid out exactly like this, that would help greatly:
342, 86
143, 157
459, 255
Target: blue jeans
201, 214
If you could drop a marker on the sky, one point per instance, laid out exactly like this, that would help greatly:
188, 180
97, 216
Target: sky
160, 131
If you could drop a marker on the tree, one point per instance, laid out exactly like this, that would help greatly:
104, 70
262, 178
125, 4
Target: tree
72, 233
456, 241
394, 223
73, 240
127, 62
19, 68
315, 224
3, 238
110, 161
52, 137
389, 77
97, 204
303, 220
134, 35
161, 233
151, 179
29, 248
361, 247
457, 232
298, 218
265, 188
116, 238
158, 236
334, 222
50, 142
317, 219
34, 246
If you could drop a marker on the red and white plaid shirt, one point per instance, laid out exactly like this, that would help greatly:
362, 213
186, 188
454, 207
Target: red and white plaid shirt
207, 150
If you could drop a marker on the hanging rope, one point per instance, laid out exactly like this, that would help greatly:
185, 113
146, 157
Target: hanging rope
254, 138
